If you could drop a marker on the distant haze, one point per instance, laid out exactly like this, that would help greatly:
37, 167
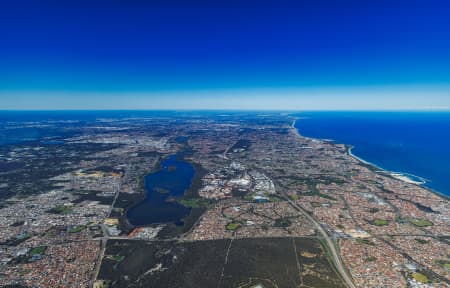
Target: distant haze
368, 98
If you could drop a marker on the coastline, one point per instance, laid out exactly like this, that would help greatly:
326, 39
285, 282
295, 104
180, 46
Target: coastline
397, 175
402, 176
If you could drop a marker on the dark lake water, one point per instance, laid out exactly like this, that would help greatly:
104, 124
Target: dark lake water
174, 178
7, 166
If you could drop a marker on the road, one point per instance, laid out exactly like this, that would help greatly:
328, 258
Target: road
331, 245
101, 253
104, 239
324, 235
224, 156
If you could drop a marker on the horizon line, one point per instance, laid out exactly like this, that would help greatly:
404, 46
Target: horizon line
443, 109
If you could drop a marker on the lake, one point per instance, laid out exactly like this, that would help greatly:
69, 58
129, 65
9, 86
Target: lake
161, 187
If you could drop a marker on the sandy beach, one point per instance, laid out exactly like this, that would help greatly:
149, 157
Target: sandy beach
397, 175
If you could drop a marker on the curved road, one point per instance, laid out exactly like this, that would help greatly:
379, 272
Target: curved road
336, 258
331, 245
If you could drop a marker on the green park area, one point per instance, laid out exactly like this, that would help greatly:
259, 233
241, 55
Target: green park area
61, 209
364, 241
117, 258
38, 250
76, 229
371, 259
420, 222
380, 222
195, 202
444, 263
233, 226
419, 277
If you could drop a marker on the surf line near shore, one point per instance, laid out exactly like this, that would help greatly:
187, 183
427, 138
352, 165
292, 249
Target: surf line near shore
405, 177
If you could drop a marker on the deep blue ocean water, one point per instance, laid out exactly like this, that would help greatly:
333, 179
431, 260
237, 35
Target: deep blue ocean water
408, 142
24, 126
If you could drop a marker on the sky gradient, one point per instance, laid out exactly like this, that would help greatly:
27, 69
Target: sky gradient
310, 55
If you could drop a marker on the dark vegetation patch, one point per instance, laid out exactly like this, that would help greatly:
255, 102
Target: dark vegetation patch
424, 208
371, 259
37, 167
280, 131
422, 241
216, 152
283, 222
182, 264
105, 169
16, 240
150, 154
60, 209
17, 223
365, 241
421, 207
91, 195
241, 144
123, 202
313, 182
266, 261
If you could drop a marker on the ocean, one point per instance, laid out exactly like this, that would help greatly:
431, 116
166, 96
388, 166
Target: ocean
417, 143
24, 126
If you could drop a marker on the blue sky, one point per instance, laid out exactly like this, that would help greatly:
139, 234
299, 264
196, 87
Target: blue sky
225, 54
